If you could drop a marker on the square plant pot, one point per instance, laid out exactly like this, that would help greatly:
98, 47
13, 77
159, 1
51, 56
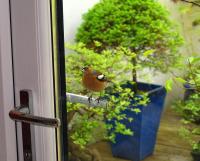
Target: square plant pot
145, 126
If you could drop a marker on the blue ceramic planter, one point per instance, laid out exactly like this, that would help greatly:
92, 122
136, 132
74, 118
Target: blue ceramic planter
145, 126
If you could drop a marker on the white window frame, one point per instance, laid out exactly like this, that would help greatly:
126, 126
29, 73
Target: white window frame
8, 151
39, 63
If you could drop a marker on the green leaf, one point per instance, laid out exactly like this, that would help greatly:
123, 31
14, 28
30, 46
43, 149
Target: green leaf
130, 119
148, 52
168, 85
136, 110
97, 43
196, 60
191, 59
181, 80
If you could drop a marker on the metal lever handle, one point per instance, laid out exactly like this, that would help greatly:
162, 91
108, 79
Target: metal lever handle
17, 115
23, 113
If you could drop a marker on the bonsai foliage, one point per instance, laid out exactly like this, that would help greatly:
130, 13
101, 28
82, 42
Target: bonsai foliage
138, 25
112, 63
84, 120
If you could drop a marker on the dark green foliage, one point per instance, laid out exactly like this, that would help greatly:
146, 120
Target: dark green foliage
139, 25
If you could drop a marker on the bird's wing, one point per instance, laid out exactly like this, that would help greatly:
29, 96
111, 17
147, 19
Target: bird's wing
99, 76
96, 73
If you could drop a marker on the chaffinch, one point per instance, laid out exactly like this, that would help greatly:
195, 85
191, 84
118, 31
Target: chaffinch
93, 80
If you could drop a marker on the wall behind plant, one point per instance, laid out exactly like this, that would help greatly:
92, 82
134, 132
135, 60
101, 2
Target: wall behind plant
184, 15
73, 11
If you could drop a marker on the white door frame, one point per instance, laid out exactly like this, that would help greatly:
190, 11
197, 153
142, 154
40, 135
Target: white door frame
32, 55
8, 150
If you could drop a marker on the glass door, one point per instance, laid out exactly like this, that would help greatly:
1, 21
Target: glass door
84, 70
39, 88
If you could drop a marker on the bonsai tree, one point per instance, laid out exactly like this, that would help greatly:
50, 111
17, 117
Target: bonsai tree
138, 25
84, 120
116, 38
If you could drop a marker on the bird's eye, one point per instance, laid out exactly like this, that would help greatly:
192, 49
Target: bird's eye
84, 69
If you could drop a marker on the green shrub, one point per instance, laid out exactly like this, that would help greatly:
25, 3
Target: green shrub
116, 66
191, 134
139, 25
189, 108
192, 75
117, 38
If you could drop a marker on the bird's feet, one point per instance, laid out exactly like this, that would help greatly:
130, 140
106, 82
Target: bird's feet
90, 99
98, 99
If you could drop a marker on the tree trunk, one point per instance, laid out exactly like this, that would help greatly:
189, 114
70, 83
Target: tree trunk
134, 75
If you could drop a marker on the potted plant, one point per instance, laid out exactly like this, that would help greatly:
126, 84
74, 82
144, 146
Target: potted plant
188, 108
139, 26
83, 121
191, 76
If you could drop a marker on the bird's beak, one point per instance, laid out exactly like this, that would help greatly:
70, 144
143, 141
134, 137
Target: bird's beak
83, 69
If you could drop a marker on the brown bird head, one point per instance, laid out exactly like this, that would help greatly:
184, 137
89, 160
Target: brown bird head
88, 71
85, 69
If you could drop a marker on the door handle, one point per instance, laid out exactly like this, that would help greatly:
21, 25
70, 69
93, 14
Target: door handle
22, 113
25, 117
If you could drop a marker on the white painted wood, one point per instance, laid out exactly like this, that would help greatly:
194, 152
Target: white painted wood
33, 67
75, 98
8, 150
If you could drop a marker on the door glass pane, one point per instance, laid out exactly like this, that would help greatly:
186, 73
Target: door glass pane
128, 97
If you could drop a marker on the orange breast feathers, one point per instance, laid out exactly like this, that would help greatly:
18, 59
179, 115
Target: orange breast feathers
93, 80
